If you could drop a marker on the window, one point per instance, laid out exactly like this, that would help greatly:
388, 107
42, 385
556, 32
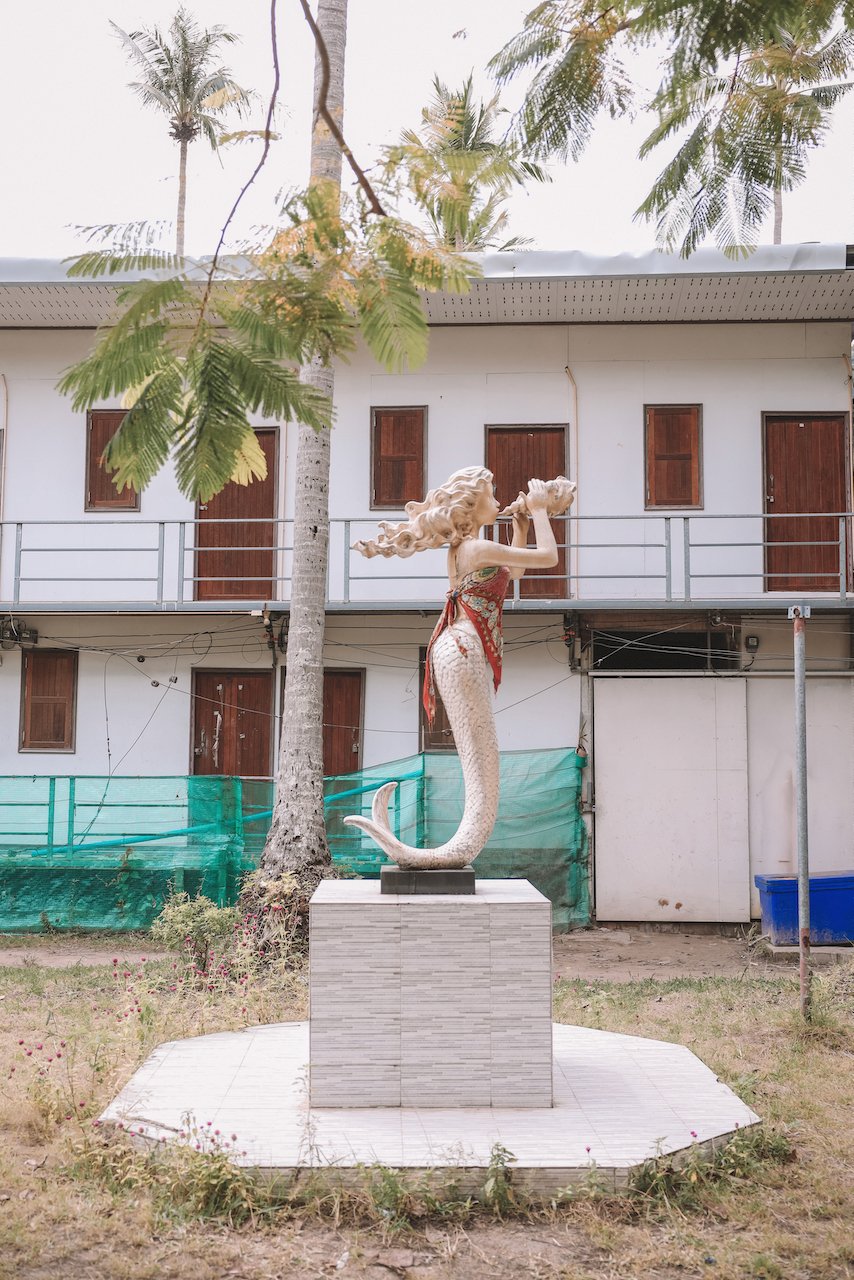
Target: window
48, 696
101, 491
397, 455
713, 649
673, 455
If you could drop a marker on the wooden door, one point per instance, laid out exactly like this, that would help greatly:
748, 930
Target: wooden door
342, 721
439, 736
343, 703
516, 455
233, 723
806, 475
235, 559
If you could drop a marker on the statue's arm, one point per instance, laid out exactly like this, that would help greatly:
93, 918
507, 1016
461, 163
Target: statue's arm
486, 555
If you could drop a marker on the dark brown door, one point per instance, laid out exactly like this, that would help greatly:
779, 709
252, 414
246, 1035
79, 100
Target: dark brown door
342, 720
439, 736
516, 455
235, 559
233, 723
806, 475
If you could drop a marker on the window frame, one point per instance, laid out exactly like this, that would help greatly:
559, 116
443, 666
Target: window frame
121, 503
71, 746
374, 505
649, 504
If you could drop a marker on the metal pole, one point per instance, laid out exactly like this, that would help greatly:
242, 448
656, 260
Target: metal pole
799, 616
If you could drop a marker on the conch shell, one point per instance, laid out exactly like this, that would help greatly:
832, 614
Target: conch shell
560, 496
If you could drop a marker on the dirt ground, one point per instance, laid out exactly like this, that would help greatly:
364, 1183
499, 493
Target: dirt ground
597, 954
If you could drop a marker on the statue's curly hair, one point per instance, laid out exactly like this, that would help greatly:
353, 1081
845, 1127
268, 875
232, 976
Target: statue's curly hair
444, 518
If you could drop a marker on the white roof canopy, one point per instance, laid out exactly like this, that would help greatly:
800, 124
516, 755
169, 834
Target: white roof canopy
776, 283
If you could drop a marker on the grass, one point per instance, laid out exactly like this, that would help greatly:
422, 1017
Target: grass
777, 1204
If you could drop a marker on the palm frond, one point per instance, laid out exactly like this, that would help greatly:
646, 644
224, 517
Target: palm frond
392, 319
141, 445
264, 385
116, 364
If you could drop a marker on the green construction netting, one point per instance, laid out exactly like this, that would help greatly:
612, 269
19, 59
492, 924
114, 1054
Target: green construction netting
98, 853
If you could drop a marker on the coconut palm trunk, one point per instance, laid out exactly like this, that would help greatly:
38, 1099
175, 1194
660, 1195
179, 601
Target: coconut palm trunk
778, 216
181, 215
297, 839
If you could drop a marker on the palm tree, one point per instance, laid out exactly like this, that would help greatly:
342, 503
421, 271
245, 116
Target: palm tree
460, 172
180, 76
751, 131
296, 841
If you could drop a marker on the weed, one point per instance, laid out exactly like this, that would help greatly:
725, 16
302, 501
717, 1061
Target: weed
192, 1179
194, 925
681, 1181
498, 1193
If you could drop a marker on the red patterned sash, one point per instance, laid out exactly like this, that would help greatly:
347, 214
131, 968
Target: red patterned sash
480, 596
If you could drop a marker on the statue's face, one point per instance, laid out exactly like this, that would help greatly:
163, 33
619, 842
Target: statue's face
486, 508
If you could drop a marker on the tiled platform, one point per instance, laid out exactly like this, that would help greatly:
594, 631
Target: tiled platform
618, 1101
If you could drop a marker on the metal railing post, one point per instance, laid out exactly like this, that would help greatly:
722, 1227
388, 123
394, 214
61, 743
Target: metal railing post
182, 536
346, 561
161, 547
668, 560
843, 560
19, 536
69, 838
686, 557
51, 811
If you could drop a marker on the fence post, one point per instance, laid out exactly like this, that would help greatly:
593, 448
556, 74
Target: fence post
668, 560
19, 534
799, 616
843, 560
420, 804
346, 561
71, 811
161, 546
51, 811
182, 534
686, 543
238, 842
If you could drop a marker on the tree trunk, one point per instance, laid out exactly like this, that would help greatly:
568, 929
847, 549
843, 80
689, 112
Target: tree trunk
778, 216
182, 200
297, 839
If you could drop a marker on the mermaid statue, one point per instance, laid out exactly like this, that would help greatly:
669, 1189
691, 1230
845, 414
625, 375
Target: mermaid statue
465, 650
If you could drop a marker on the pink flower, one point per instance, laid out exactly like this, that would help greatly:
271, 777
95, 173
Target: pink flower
693, 1133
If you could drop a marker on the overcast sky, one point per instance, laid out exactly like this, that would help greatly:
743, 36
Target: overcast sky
78, 149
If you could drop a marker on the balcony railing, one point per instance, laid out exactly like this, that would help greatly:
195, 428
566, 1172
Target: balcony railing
210, 565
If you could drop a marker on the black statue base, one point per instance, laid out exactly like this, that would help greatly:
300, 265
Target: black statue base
443, 880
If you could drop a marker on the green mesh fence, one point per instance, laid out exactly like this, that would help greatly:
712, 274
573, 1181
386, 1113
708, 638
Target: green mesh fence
97, 853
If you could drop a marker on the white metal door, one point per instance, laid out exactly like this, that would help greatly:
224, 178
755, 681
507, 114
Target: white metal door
671, 833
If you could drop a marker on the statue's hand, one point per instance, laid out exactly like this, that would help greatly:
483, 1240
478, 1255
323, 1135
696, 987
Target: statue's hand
537, 499
521, 520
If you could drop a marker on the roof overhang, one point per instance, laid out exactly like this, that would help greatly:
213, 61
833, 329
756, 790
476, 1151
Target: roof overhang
808, 282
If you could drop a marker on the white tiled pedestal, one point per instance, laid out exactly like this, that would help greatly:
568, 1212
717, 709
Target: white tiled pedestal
430, 1001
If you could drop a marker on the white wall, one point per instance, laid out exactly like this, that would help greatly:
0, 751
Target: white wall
149, 727
830, 775
473, 377
670, 773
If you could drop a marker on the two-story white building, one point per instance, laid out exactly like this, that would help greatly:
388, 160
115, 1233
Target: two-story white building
703, 409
